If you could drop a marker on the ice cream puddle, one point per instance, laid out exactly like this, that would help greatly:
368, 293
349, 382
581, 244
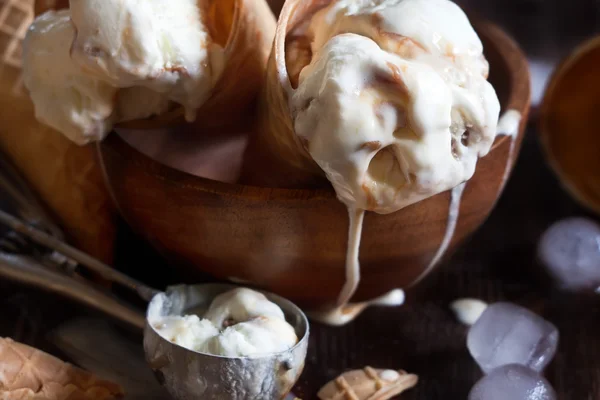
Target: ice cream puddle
238, 323
339, 316
107, 61
391, 100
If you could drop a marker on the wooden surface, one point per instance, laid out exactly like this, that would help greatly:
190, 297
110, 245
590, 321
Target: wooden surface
293, 242
423, 336
497, 264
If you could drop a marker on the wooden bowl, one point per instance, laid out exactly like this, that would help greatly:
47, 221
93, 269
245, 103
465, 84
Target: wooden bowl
293, 242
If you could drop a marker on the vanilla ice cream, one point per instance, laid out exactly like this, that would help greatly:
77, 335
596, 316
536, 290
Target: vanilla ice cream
109, 61
394, 106
65, 98
238, 323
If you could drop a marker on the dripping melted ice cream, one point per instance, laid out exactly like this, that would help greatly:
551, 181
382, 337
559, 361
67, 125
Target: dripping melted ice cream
108, 61
238, 323
391, 100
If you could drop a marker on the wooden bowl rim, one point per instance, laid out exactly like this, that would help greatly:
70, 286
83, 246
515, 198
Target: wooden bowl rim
519, 99
545, 126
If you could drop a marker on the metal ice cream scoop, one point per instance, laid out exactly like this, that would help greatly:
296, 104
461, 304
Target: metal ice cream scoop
186, 374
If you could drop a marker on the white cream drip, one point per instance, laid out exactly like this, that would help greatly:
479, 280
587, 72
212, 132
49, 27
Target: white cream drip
508, 125
453, 216
389, 375
346, 312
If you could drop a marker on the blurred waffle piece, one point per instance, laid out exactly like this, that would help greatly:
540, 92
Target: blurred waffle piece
67, 177
29, 374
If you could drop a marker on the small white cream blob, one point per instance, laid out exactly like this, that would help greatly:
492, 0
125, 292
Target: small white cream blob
468, 311
389, 375
239, 323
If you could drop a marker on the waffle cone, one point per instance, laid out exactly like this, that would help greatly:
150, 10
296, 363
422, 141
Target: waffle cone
65, 176
29, 374
245, 29
275, 156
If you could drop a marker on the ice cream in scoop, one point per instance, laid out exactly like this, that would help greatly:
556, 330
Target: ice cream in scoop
161, 45
394, 105
238, 323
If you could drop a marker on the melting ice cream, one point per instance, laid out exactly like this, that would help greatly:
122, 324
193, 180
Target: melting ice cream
107, 61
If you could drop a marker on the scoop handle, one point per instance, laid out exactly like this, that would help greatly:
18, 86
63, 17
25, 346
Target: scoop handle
81, 258
29, 272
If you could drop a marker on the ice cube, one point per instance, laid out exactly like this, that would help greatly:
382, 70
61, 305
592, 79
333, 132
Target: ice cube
508, 334
570, 250
512, 382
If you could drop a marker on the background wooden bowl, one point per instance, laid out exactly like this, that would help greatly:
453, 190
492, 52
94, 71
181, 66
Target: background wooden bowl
293, 242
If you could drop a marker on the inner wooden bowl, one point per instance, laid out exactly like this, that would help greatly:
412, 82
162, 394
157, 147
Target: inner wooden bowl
293, 242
